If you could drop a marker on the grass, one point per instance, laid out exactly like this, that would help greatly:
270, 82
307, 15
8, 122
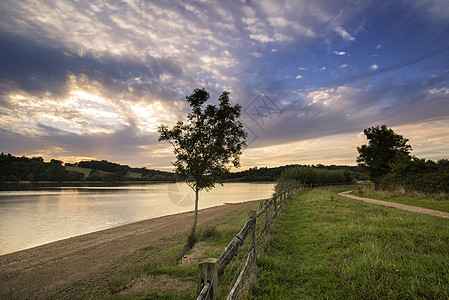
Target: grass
86, 172
329, 247
437, 202
159, 296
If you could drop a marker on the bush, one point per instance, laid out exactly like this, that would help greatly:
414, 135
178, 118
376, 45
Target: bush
311, 175
419, 175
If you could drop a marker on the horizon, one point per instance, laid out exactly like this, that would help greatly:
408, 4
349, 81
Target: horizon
139, 167
93, 81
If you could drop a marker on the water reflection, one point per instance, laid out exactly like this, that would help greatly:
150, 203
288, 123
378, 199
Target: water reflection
40, 214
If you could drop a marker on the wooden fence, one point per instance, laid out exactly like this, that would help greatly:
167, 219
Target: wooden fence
211, 269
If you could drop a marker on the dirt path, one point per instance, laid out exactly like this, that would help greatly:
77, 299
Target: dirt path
416, 209
40, 271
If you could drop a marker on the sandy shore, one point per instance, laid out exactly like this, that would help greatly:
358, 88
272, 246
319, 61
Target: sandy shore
40, 271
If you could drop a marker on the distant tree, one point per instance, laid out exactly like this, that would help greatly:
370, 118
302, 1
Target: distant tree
205, 145
55, 161
94, 175
384, 149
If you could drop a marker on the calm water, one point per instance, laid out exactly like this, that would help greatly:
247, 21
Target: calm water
42, 214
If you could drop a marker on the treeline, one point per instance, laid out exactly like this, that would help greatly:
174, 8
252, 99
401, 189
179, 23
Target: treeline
273, 174
257, 174
419, 175
117, 172
13, 169
309, 175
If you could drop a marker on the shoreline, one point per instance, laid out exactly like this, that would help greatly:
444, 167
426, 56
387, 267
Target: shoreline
41, 270
116, 226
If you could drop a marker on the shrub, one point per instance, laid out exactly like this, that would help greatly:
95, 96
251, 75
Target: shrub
311, 175
419, 175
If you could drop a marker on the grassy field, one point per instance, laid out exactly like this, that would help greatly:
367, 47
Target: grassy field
437, 202
329, 247
86, 172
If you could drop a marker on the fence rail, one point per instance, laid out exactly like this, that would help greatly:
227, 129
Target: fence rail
207, 285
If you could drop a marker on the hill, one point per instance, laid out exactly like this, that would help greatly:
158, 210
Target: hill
14, 169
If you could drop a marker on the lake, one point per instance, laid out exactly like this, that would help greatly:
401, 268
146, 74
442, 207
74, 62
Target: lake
32, 215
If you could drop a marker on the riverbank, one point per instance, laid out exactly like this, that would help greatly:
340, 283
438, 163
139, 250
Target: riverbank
41, 271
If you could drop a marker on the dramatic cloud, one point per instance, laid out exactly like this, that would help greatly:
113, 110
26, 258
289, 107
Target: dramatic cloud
94, 79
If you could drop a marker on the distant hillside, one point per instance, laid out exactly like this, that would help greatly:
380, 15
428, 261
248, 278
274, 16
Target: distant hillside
108, 171
14, 169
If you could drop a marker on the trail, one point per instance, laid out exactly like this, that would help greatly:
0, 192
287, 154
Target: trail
416, 209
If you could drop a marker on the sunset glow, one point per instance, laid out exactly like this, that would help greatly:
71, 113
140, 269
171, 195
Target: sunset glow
94, 80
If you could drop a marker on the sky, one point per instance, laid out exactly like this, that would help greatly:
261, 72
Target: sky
94, 79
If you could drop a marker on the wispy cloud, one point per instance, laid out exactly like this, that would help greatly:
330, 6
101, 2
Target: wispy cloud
344, 34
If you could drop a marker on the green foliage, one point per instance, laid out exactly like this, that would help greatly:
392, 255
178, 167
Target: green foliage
310, 175
273, 174
418, 175
328, 247
389, 164
158, 296
258, 174
384, 148
34, 169
13, 169
208, 232
210, 139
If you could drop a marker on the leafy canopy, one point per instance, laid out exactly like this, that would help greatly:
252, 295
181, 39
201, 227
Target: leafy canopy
384, 149
208, 142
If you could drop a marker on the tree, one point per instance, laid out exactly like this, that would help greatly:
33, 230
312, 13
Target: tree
206, 144
384, 149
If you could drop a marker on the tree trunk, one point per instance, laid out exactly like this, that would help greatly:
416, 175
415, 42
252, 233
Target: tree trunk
195, 219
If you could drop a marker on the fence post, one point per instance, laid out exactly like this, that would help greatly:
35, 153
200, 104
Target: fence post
267, 215
252, 234
275, 205
280, 200
207, 273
